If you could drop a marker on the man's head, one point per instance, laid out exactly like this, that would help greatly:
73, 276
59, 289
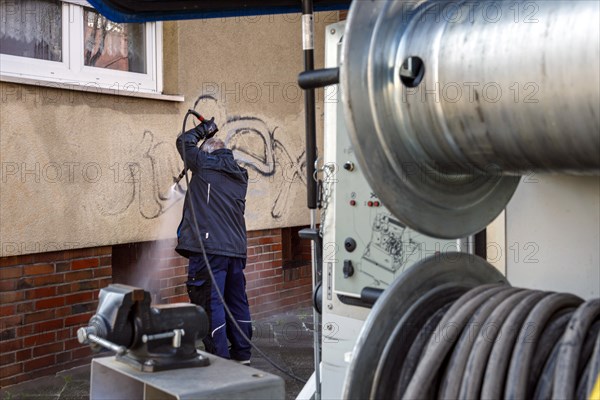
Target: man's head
212, 144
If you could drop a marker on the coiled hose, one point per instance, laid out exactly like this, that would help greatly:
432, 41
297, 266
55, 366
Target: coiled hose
460, 340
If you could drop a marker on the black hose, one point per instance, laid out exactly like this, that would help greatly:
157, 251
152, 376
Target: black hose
493, 341
588, 346
565, 374
414, 354
478, 357
518, 371
582, 385
452, 379
497, 365
413, 323
549, 338
448, 330
594, 370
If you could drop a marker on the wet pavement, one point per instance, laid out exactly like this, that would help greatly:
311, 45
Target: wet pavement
286, 338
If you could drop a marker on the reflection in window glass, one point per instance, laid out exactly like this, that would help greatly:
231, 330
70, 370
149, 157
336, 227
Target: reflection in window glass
113, 46
31, 28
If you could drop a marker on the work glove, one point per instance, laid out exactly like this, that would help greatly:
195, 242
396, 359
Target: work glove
207, 129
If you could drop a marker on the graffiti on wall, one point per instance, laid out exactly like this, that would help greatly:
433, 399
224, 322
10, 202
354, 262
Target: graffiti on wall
148, 186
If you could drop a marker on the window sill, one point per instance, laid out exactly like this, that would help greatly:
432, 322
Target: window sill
90, 88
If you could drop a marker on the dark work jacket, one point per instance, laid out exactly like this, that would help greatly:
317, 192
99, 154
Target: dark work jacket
218, 190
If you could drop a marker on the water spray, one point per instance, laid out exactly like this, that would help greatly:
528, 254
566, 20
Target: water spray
176, 179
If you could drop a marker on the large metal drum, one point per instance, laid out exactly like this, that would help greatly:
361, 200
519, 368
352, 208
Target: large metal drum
448, 103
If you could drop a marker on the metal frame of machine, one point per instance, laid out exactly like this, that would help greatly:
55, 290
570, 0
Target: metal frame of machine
447, 168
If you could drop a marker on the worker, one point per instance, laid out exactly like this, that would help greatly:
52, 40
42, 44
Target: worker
217, 190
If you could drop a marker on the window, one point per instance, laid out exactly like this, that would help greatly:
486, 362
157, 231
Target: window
69, 42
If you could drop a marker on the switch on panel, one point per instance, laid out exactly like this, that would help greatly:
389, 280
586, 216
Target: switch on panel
348, 269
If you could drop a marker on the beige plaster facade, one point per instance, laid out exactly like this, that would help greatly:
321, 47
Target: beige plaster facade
82, 169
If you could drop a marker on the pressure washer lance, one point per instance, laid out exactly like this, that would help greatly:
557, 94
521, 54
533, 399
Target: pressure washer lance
207, 129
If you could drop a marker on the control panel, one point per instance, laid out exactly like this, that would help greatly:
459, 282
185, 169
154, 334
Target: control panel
363, 244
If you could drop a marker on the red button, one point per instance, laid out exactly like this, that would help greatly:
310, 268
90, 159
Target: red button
370, 204
376, 204
352, 203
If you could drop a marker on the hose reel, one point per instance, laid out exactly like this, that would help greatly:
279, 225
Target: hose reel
461, 331
449, 103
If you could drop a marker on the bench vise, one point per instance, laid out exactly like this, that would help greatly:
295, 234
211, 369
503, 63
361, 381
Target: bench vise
148, 338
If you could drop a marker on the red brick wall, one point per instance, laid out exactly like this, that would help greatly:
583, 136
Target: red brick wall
278, 276
155, 266
271, 286
45, 298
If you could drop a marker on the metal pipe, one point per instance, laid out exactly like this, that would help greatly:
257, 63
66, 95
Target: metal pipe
157, 336
309, 103
311, 156
316, 321
319, 78
176, 334
106, 344
370, 295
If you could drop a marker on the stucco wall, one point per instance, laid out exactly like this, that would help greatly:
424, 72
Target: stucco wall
81, 169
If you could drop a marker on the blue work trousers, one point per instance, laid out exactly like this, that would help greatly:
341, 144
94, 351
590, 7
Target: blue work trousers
229, 276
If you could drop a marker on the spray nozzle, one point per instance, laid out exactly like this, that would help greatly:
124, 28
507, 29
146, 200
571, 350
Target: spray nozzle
176, 179
196, 114
179, 177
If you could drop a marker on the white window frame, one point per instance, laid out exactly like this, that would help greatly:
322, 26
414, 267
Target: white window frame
72, 71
